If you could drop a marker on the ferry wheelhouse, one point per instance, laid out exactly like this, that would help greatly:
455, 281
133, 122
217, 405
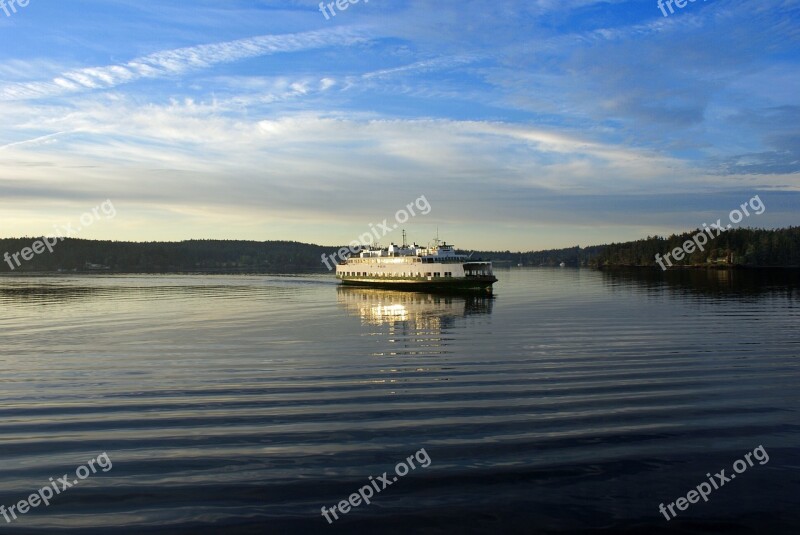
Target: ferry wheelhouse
436, 267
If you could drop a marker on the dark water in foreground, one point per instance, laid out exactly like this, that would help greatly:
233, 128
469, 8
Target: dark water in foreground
572, 401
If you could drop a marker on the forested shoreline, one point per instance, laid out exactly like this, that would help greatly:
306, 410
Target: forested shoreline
73, 255
738, 247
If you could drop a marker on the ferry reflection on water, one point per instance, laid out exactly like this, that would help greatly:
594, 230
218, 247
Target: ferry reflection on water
414, 323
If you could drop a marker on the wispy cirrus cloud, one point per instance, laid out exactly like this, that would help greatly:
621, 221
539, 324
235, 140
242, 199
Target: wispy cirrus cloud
178, 61
34, 141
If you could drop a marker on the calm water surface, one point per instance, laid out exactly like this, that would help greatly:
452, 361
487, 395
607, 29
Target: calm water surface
573, 401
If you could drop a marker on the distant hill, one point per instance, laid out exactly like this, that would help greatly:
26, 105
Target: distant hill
744, 247
738, 247
571, 256
159, 257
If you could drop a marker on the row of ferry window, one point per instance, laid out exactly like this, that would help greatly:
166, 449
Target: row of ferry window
383, 260
406, 260
447, 274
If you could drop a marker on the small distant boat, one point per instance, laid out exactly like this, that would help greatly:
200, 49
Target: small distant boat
96, 267
405, 267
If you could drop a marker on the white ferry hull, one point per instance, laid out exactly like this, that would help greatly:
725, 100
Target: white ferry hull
415, 268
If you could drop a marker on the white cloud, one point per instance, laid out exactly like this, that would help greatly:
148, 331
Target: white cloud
178, 61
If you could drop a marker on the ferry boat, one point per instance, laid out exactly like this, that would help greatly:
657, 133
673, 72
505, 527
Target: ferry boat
405, 267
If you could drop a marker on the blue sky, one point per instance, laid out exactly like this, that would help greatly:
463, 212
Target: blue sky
525, 124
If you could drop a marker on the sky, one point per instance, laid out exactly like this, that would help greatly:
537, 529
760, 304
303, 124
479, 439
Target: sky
524, 124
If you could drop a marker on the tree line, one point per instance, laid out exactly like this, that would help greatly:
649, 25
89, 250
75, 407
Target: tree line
738, 247
158, 257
